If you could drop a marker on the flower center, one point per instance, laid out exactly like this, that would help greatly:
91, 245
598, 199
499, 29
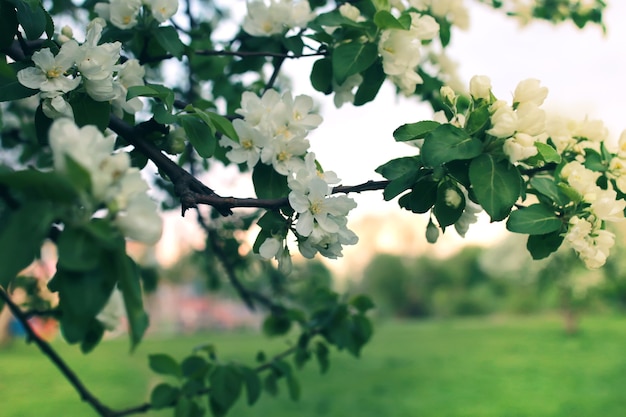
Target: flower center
54, 72
283, 156
247, 144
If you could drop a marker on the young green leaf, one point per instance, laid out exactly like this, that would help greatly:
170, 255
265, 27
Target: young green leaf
448, 143
535, 219
167, 37
164, 364
352, 58
412, 131
541, 246
163, 396
29, 225
496, 185
199, 134
268, 183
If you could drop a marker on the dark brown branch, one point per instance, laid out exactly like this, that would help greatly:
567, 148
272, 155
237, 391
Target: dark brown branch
275, 203
47, 350
185, 184
248, 54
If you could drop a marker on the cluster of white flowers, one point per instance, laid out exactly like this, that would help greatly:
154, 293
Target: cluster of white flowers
453, 10
91, 65
275, 17
114, 183
273, 131
123, 13
585, 233
521, 124
401, 50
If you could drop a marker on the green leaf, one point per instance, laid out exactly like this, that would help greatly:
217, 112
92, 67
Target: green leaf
88, 111
164, 364
321, 354
163, 396
541, 246
293, 387
352, 58
8, 24
535, 219
547, 187
444, 31
223, 125
168, 38
252, 383
496, 185
322, 75
268, 183
396, 168
153, 90
226, 385
385, 20
129, 282
200, 135
294, 44
271, 384
194, 367
412, 131
41, 185
548, 153
22, 236
448, 143
362, 303
399, 185
478, 120
445, 212
82, 295
373, 79
593, 161
78, 250
10, 87
32, 17
422, 196
276, 325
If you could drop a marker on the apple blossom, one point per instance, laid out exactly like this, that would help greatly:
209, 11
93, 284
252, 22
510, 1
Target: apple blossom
480, 87
50, 73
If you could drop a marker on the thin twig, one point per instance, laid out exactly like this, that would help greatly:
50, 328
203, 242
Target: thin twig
47, 350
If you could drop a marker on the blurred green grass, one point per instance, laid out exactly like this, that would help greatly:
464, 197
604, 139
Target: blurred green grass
509, 367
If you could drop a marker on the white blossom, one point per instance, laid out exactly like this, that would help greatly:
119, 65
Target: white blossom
343, 92
162, 9
519, 147
140, 220
264, 19
121, 13
50, 72
606, 206
111, 314
530, 91
248, 149
480, 87
350, 12
590, 242
503, 120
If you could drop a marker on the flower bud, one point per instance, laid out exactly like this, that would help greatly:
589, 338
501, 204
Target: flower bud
448, 95
432, 232
480, 87
453, 198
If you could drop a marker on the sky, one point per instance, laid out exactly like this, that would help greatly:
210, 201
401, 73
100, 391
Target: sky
583, 70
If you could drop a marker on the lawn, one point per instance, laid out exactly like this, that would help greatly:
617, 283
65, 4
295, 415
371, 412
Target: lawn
493, 367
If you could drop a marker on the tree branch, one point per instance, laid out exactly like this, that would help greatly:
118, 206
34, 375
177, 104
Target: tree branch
47, 350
